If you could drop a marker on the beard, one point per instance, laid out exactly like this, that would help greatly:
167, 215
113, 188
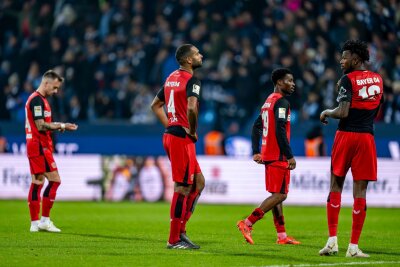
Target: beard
197, 65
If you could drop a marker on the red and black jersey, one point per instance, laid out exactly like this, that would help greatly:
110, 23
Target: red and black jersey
36, 108
273, 125
177, 88
364, 90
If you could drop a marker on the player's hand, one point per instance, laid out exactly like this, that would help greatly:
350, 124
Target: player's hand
291, 164
71, 126
323, 117
257, 158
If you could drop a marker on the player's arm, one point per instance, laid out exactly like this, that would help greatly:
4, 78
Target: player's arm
281, 112
344, 99
37, 109
43, 126
157, 106
193, 95
256, 134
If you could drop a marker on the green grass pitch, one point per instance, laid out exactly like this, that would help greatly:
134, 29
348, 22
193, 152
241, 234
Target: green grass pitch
135, 234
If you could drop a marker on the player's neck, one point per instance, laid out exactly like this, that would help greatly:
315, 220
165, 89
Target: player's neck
186, 69
40, 92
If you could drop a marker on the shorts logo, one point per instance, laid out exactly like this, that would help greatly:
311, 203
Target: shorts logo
282, 113
191, 178
37, 111
54, 165
196, 89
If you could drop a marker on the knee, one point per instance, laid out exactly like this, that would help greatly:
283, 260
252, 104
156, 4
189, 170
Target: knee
200, 183
183, 190
280, 197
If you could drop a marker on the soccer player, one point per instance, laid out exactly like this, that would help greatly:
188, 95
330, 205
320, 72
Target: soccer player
360, 95
181, 93
273, 125
39, 146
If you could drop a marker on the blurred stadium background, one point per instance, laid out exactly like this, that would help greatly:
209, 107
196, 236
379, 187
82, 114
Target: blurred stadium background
115, 56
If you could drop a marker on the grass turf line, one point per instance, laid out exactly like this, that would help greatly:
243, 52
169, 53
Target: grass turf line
135, 234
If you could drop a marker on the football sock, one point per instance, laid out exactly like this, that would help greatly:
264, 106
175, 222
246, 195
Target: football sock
44, 219
333, 209
332, 239
34, 201
256, 215
49, 196
359, 214
177, 211
191, 203
279, 223
281, 235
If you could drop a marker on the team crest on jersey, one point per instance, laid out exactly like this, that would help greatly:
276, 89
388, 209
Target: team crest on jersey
282, 113
196, 89
37, 110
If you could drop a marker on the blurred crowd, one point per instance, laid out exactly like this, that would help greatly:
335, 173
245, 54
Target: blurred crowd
115, 54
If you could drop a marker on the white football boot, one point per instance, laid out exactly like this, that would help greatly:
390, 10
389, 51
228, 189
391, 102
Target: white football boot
34, 227
354, 252
331, 248
48, 226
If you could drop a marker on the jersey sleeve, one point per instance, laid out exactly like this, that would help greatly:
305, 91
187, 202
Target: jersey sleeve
256, 135
161, 94
37, 108
281, 112
193, 88
345, 89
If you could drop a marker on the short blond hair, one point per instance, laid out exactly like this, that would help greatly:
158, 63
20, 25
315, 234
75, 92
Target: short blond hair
51, 74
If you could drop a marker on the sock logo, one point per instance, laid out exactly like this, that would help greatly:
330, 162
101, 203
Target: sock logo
356, 211
335, 206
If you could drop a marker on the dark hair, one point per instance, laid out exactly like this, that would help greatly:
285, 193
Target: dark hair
278, 74
51, 74
357, 47
182, 52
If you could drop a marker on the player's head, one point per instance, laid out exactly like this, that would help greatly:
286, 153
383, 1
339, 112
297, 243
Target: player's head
188, 55
51, 82
283, 81
354, 54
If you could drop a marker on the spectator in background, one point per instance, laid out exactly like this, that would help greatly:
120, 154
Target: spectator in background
133, 41
3, 143
314, 144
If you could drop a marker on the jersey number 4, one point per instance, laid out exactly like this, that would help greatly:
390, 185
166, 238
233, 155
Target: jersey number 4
370, 92
171, 107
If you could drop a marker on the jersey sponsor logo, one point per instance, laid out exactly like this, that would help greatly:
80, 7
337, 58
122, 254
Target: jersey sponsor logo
47, 113
282, 113
172, 84
368, 81
342, 93
196, 89
37, 110
266, 105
